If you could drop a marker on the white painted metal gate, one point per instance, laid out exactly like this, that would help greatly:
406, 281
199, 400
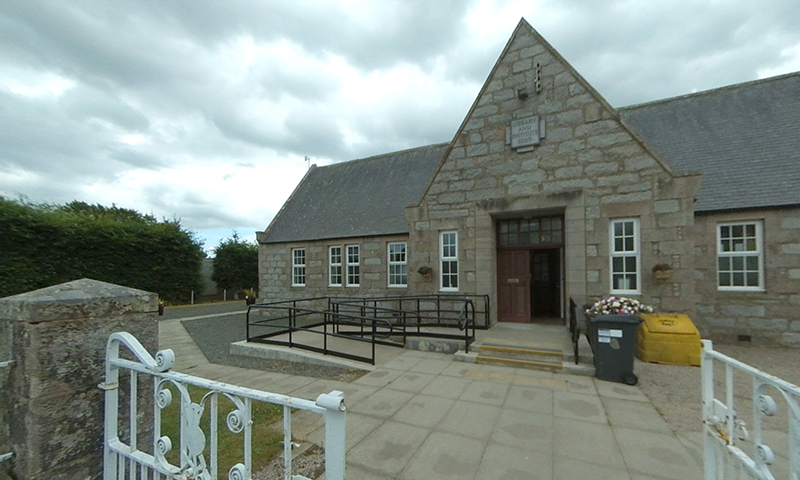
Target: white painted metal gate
730, 451
128, 457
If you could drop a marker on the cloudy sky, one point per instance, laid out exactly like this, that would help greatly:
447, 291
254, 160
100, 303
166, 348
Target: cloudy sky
205, 110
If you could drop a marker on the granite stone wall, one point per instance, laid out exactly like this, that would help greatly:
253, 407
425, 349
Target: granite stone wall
769, 316
589, 167
275, 269
51, 401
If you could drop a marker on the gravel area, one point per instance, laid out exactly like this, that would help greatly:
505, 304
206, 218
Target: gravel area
675, 390
309, 463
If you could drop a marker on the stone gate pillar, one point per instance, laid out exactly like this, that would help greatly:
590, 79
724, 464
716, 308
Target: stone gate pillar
54, 407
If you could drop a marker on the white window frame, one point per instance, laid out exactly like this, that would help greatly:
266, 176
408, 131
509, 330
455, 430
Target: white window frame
446, 257
394, 264
298, 269
332, 265
625, 253
353, 266
757, 253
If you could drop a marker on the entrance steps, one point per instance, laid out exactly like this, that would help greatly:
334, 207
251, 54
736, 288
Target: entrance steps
520, 354
512, 353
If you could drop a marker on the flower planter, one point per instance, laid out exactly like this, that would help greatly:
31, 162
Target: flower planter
662, 274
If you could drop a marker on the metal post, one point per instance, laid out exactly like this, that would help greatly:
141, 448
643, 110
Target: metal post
707, 385
192, 297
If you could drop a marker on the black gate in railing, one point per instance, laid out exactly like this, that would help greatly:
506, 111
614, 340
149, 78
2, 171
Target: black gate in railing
318, 324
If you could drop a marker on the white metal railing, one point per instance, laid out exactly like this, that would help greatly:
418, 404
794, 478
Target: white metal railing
726, 452
129, 459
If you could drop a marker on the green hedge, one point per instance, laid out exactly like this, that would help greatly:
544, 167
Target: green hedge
45, 245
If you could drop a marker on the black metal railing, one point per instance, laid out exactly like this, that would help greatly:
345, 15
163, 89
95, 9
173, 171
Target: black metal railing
380, 320
574, 326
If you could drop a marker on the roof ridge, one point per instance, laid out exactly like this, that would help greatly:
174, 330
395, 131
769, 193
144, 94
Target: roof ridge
712, 91
382, 155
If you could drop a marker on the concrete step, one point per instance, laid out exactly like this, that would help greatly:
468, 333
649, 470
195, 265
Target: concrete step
520, 354
519, 361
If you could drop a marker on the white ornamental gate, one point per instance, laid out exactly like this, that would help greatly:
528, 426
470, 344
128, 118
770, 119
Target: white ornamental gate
128, 458
730, 451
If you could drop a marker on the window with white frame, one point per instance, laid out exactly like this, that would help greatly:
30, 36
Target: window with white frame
298, 267
398, 265
625, 260
335, 266
448, 254
353, 270
740, 256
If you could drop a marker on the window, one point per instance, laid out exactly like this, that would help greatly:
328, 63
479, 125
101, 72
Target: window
353, 276
625, 256
525, 232
298, 267
448, 254
740, 261
398, 266
335, 266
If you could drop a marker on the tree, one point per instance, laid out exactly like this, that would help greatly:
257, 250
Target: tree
44, 245
236, 264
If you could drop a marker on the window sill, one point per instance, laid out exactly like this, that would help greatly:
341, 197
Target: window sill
299, 285
625, 292
397, 286
741, 290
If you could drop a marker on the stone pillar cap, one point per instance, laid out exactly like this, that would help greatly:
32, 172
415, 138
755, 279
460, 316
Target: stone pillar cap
82, 298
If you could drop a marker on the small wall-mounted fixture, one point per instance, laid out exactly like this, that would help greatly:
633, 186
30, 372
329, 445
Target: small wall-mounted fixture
522, 93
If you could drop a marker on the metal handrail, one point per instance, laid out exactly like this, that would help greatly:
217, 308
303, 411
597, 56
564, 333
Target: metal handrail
574, 327
374, 319
464, 320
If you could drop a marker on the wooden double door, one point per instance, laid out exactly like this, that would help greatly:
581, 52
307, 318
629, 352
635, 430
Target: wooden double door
529, 283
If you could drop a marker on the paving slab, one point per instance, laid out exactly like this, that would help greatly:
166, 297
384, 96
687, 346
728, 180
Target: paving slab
587, 408
620, 390
446, 387
514, 463
568, 468
379, 378
444, 455
411, 382
424, 410
634, 414
384, 403
532, 399
588, 442
657, 455
518, 427
490, 393
388, 449
432, 366
403, 362
472, 420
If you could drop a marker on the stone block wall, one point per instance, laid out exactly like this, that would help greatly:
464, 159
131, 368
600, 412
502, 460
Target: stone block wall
589, 166
770, 316
275, 261
55, 408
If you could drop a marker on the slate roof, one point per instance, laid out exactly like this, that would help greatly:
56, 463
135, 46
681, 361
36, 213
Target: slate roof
744, 138
358, 198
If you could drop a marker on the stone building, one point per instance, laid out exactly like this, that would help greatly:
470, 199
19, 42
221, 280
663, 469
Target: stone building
547, 192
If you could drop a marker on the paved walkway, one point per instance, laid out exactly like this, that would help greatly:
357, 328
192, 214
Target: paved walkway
423, 415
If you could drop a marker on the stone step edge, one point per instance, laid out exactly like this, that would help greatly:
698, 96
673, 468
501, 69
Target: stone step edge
543, 352
515, 362
503, 342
